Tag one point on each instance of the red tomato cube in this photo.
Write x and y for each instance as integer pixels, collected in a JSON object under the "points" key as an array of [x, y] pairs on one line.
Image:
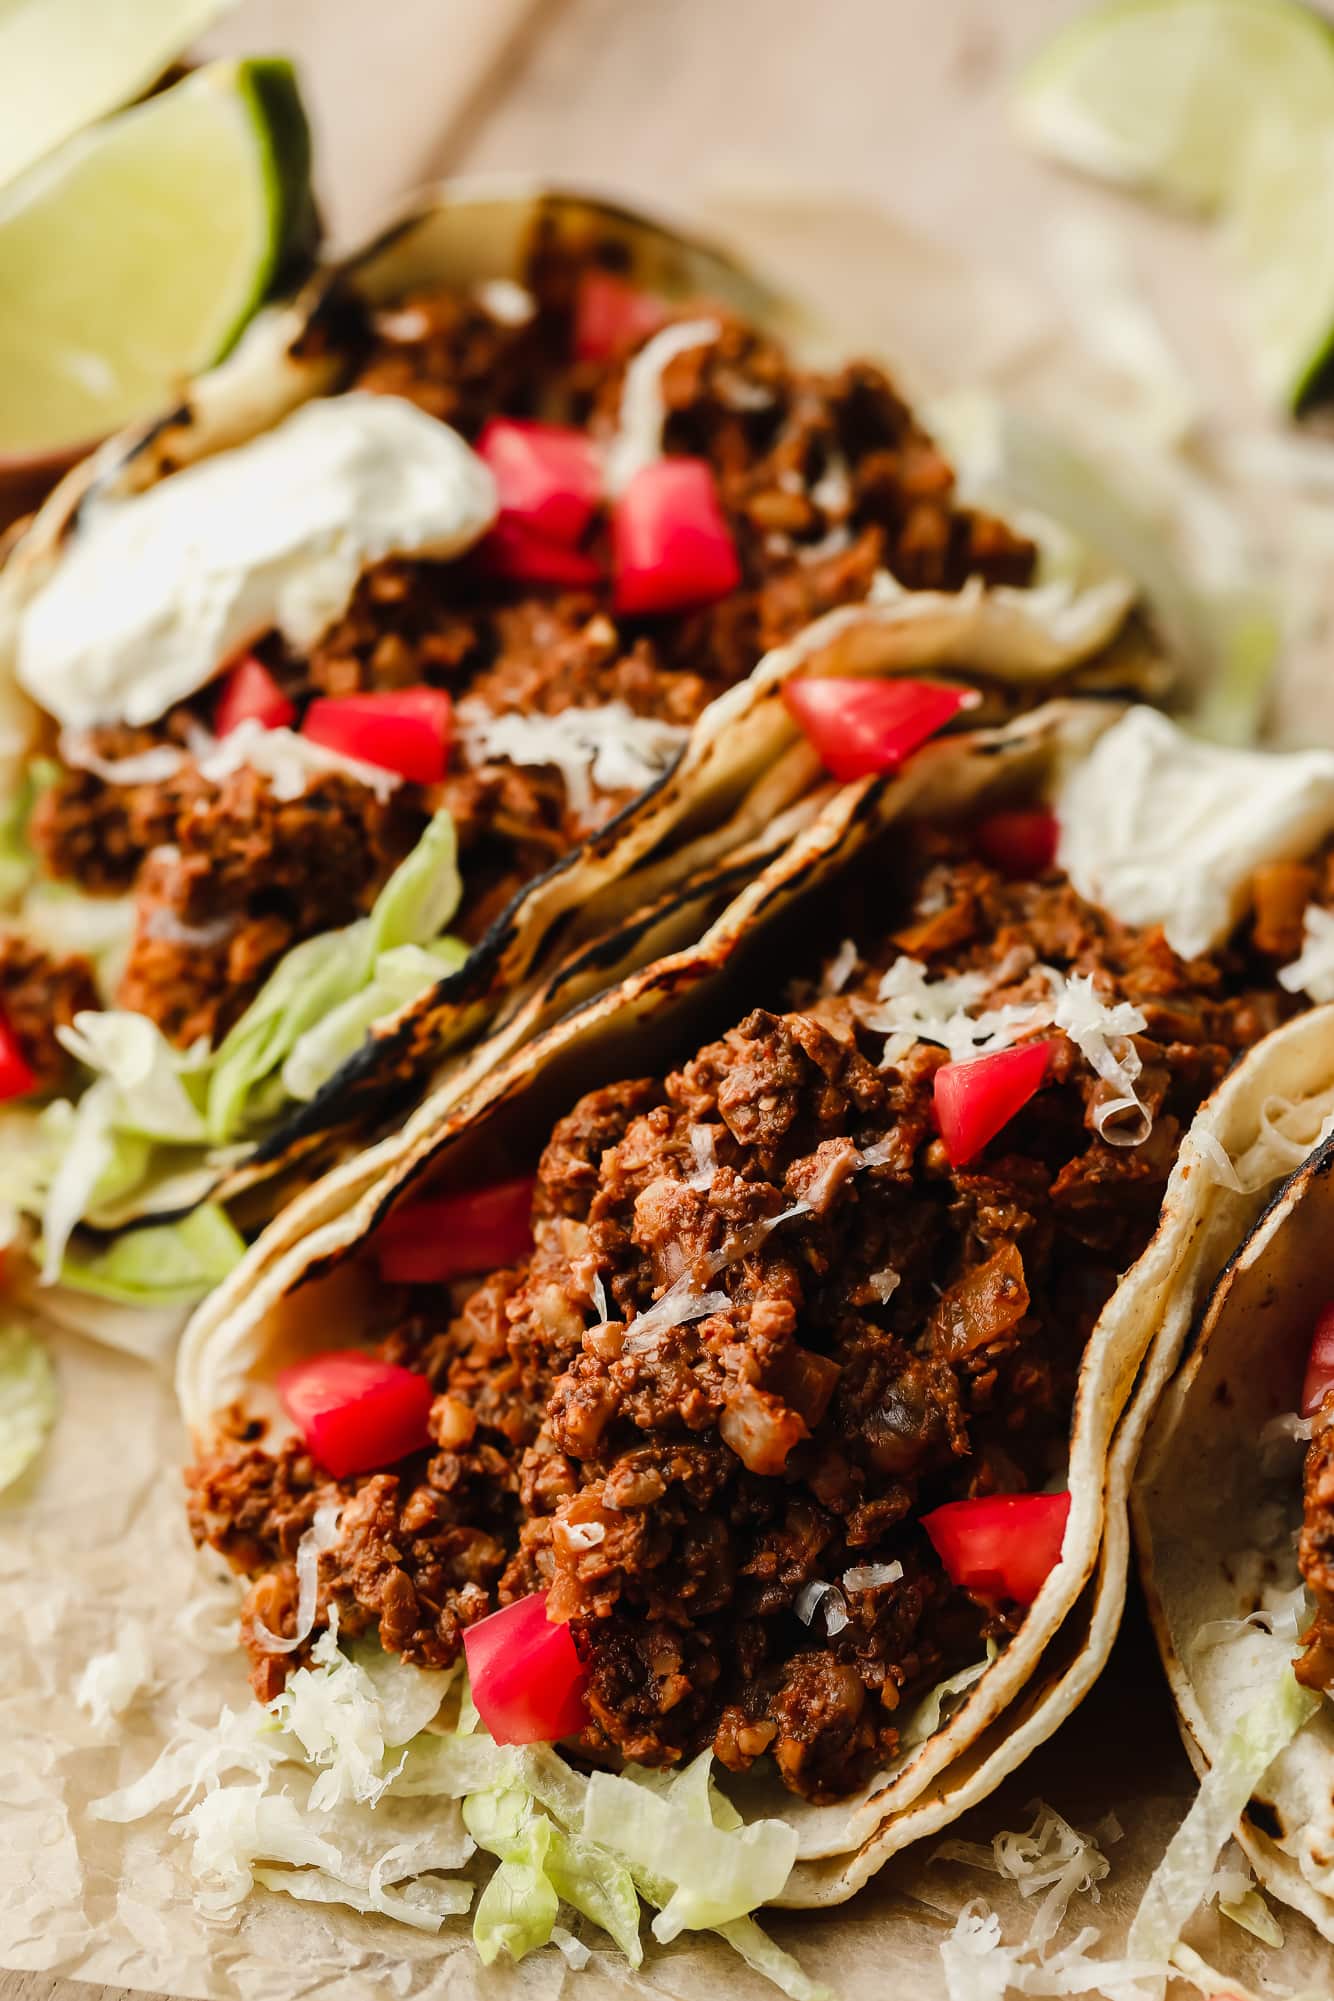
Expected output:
{"points": [[356, 1413], [527, 1679], [671, 547], [403, 729]]}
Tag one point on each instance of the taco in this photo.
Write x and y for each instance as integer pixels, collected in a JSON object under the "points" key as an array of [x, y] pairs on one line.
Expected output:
{"points": [[741, 1373], [442, 628], [1234, 1522]]}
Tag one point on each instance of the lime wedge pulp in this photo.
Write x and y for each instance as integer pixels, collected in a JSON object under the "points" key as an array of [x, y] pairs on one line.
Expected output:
{"points": [[64, 63], [1225, 107], [133, 257]]}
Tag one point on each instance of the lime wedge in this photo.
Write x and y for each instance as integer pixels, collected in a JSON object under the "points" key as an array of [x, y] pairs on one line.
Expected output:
{"points": [[134, 256], [64, 63], [1224, 107]]}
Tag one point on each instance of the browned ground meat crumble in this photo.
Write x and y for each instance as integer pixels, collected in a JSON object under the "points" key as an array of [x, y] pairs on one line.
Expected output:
{"points": [[914, 1336], [824, 479], [43, 992]]}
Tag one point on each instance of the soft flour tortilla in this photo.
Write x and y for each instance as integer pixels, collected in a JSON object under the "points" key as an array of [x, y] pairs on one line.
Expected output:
{"points": [[1214, 1508], [745, 763], [303, 1290]]}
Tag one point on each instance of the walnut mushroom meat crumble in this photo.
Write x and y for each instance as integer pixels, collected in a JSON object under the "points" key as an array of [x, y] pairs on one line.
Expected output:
{"points": [[725, 1500]]}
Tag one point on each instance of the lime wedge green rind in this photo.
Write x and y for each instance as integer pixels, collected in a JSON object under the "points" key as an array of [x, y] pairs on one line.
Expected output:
{"points": [[134, 256], [1224, 108], [64, 63]]}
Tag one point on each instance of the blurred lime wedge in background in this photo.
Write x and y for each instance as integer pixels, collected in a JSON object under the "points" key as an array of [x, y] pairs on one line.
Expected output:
{"points": [[1225, 107], [64, 63], [134, 256]]}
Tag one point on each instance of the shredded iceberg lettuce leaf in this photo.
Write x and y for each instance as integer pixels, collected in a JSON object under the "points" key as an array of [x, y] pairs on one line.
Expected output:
{"points": [[354, 1724], [156, 1126], [112, 1681], [1179, 1883], [162, 1264], [28, 1399], [318, 980]]}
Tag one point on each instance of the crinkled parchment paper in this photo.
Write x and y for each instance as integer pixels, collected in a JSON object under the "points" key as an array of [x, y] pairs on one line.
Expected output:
{"points": [[96, 1533]]}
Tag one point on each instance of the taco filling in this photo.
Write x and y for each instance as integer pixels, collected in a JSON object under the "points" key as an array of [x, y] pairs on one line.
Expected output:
{"points": [[768, 1397], [497, 579]]}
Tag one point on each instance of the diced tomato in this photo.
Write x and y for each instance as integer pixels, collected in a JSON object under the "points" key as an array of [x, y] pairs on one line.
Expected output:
{"points": [[402, 729], [671, 546], [975, 1098], [513, 550], [444, 1237], [527, 1678], [611, 315], [1020, 841], [16, 1073], [548, 476], [860, 726], [1319, 1364], [250, 694], [1001, 1547], [356, 1413]]}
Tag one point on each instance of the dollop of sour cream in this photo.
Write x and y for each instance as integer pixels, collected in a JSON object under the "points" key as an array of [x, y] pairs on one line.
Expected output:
{"points": [[1162, 828], [159, 591]]}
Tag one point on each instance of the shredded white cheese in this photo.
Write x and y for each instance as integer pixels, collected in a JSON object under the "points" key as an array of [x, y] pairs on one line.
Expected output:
{"points": [[840, 968], [1051, 1856], [1313, 971], [1101, 1034], [608, 748], [146, 767], [915, 1008], [291, 763], [703, 1148], [638, 440]]}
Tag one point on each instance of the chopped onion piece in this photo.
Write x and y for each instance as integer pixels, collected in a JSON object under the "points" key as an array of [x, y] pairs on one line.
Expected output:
{"points": [[867, 1576], [607, 748], [884, 1284], [321, 1535], [290, 762], [146, 767]]}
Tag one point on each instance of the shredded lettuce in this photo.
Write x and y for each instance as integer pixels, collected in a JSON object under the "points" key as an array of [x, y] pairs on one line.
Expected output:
{"points": [[162, 1264], [156, 1126], [28, 1399], [17, 860], [112, 1681], [354, 1724], [1181, 1880], [311, 1012], [400, 976], [335, 1711]]}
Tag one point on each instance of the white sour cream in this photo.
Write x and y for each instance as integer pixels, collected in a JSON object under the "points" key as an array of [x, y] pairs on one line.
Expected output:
{"points": [[157, 592], [1161, 828]]}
